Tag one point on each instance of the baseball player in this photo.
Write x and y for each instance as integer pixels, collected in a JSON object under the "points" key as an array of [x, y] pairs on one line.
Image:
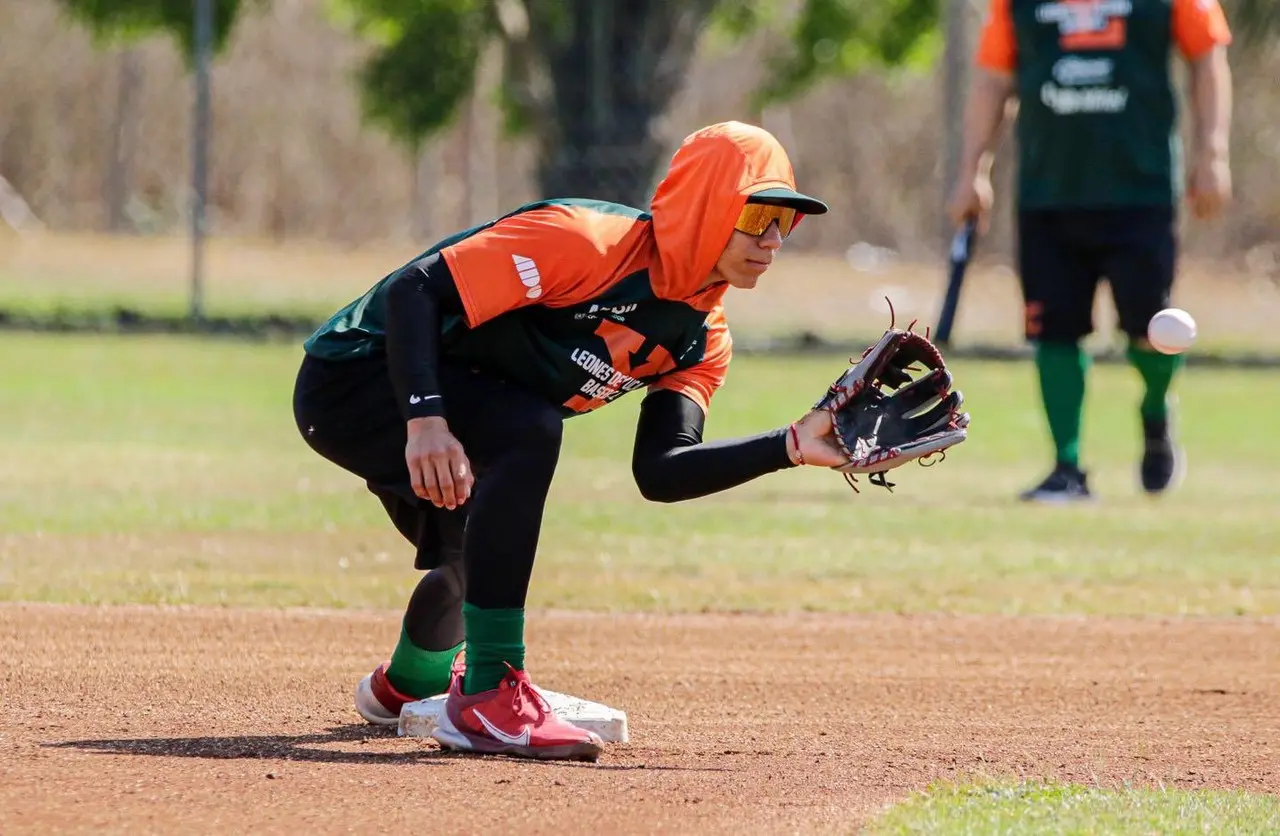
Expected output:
{"points": [[446, 385], [1099, 182]]}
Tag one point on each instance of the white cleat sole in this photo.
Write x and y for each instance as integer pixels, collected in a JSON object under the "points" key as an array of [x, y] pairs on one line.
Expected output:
{"points": [[1059, 499], [449, 737], [368, 707]]}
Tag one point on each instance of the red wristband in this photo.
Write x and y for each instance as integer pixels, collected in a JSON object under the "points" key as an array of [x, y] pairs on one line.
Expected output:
{"points": [[795, 438]]}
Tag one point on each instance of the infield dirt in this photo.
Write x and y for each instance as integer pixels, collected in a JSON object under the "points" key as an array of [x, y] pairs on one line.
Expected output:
{"points": [[206, 720]]}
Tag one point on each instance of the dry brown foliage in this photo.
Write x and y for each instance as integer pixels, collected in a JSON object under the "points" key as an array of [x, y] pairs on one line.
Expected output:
{"points": [[291, 159]]}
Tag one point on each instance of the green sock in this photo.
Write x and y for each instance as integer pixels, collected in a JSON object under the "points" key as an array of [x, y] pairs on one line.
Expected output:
{"points": [[420, 673], [1062, 368], [493, 637], [1157, 372]]}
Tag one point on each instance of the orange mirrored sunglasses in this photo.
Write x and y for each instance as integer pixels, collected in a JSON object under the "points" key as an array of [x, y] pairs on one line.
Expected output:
{"points": [[756, 217]]}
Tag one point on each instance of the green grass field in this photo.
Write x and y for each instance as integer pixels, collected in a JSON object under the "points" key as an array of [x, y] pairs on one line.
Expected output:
{"points": [[1029, 809], [168, 470]]}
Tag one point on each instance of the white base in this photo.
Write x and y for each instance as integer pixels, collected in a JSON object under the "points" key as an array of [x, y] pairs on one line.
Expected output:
{"points": [[418, 719]]}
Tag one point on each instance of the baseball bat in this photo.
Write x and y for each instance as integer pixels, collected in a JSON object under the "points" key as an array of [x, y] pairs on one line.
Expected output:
{"points": [[957, 266]]}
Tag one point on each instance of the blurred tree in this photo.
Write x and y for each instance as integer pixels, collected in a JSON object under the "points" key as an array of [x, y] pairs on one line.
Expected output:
{"points": [[122, 23], [115, 21], [589, 79], [837, 37]]}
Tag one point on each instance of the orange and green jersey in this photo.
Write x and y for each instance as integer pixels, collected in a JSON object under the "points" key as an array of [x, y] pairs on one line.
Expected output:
{"points": [[1097, 119], [583, 301]]}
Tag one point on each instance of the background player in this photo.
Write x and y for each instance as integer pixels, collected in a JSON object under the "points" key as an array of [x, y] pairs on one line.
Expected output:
{"points": [[1098, 182]]}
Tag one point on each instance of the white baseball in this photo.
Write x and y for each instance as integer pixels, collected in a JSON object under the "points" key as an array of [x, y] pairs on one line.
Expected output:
{"points": [[1171, 331]]}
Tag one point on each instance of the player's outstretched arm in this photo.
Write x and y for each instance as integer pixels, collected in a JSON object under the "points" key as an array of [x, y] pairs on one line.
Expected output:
{"points": [[671, 462]]}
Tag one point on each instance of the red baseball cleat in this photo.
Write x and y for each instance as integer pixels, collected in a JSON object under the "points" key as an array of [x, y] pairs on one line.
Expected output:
{"points": [[378, 701], [512, 719]]}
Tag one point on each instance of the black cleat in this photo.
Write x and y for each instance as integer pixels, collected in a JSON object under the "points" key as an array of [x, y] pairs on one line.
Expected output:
{"points": [[1067, 483], [1163, 464]]}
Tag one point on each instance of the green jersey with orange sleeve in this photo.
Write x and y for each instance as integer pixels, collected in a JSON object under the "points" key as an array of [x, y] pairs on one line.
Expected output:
{"points": [[1097, 121], [583, 301], [559, 298], [591, 325]]}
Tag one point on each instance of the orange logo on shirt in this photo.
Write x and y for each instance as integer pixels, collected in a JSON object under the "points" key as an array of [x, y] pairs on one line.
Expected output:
{"points": [[623, 344], [1088, 24], [1034, 319]]}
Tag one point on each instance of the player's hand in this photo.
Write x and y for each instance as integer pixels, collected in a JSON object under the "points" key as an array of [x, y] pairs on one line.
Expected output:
{"points": [[817, 441], [972, 198], [1210, 187], [438, 466]]}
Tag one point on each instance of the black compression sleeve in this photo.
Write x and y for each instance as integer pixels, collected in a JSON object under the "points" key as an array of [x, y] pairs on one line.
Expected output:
{"points": [[417, 300], [672, 463]]}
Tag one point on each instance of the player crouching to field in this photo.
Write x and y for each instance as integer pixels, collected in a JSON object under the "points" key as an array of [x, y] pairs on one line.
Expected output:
{"points": [[446, 385]]}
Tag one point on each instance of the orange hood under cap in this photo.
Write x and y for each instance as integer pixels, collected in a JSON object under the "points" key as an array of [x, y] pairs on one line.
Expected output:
{"points": [[696, 205]]}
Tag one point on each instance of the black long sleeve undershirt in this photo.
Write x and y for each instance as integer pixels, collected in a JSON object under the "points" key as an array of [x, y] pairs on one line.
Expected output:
{"points": [[417, 300], [670, 462]]}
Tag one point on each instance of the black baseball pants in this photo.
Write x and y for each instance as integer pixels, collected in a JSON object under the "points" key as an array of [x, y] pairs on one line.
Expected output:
{"points": [[482, 552]]}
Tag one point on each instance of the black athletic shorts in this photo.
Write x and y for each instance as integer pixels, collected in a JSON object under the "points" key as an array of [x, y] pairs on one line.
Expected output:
{"points": [[1063, 253]]}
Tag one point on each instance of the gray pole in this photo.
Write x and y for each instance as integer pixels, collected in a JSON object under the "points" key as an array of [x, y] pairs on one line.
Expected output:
{"points": [[200, 151], [955, 83]]}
